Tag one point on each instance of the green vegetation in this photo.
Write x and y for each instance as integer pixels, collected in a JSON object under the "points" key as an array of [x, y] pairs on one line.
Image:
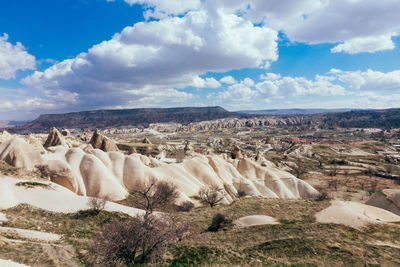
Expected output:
{"points": [[30, 184]]}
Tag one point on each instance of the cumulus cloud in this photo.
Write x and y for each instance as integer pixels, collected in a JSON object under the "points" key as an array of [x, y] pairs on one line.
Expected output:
{"points": [[206, 83], [335, 83], [362, 26], [227, 80], [18, 104], [369, 44], [13, 58], [159, 58], [369, 80]]}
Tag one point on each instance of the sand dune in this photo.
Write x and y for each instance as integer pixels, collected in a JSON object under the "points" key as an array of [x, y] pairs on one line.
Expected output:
{"points": [[112, 174], [355, 215]]}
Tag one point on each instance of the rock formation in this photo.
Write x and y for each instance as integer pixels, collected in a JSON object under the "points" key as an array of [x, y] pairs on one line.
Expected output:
{"points": [[54, 139], [102, 142], [388, 199], [18, 153], [236, 152], [113, 174], [5, 136]]}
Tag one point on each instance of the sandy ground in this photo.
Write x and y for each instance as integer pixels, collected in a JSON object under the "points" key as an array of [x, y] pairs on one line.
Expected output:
{"points": [[355, 215], [8, 263], [53, 198], [253, 220], [30, 234]]}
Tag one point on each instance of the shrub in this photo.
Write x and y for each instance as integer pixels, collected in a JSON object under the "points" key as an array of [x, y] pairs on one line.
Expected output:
{"points": [[323, 195], [97, 204], [211, 195], [44, 170], [241, 193], [216, 223], [186, 206], [136, 241]]}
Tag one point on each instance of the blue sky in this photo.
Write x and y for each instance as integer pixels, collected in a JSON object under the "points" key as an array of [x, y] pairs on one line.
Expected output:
{"points": [[71, 55]]}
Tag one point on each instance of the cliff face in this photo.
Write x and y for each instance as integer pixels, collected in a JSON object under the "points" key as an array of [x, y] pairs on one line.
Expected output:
{"points": [[128, 117]]}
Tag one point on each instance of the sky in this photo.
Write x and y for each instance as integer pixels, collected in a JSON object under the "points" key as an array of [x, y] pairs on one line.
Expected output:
{"points": [[73, 55]]}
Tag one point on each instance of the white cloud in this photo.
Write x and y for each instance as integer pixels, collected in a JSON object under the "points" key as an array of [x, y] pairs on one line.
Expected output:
{"points": [[360, 26], [238, 92], [355, 22], [370, 80], [13, 58], [151, 58], [369, 44], [206, 83], [164, 8], [335, 83], [227, 80]]}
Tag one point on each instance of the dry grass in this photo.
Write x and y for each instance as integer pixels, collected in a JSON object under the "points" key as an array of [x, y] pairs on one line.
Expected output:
{"points": [[298, 239]]}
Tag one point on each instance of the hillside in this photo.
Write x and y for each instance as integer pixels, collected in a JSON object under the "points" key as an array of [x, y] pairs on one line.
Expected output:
{"points": [[127, 117], [143, 117], [292, 111], [365, 118]]}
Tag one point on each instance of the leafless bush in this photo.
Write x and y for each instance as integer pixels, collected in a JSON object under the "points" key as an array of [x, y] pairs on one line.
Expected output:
{"points": [[211, 195], [97, 204], [333, 171], [389, 169], [370, 172], [299, 170], [373, 187], [44, 170], [136, 241], [362, 183], [323, 195], [333, 183], [186, 206], [154, 194]]}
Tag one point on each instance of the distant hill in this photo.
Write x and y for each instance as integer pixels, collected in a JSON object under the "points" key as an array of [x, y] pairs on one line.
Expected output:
{"points": [[127, 117], [292, 111], [365, 118], [142, 117]]}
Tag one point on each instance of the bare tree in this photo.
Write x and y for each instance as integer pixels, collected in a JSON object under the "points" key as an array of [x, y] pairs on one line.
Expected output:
{"points": [[299, 170], [211, 195], [346, 176], [97, 204], [153, 194], [135, 241], [389, 169], [333, 171], [333, 183]]}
